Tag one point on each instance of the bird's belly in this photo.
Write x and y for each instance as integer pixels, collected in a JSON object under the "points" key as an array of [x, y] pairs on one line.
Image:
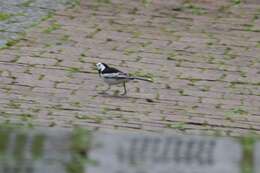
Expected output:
{"points": [[114, 81]]}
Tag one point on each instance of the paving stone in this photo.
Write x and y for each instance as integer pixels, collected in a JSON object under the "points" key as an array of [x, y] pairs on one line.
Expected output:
{"points": [[125, 152], [38, 151], [22, 14], [256, 157]]}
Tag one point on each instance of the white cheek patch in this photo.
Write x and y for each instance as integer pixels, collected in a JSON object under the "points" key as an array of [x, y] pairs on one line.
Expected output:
{"points": [[102, 67]]}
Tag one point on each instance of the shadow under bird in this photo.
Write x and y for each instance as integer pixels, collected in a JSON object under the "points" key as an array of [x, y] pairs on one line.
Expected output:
{"points": [[113, 76]]}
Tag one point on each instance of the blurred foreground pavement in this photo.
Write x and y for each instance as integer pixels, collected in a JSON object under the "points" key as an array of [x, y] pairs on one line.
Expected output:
{"points": [[202, 55], [80, 151]]}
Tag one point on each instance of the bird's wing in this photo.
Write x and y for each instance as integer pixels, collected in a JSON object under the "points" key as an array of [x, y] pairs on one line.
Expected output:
{"points": [[111, 70], [117, 75]]}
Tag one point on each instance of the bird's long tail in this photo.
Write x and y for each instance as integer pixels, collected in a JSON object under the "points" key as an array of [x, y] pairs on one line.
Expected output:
{"points": [[140, 78]]}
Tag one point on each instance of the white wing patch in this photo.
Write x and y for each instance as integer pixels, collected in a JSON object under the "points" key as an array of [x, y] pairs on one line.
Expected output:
{"points": [[115, 75]]}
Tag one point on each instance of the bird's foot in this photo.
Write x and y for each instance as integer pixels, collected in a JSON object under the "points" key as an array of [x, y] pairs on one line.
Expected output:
{"points": [[123, 94]]}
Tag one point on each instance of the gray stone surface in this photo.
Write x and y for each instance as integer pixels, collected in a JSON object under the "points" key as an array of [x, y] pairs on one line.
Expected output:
{"points": [[18, 15], [130, 153], [257, 158], [37, 151]]}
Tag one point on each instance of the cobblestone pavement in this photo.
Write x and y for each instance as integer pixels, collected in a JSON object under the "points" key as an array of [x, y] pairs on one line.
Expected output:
{"points": [[18, 15], [202, 55]]}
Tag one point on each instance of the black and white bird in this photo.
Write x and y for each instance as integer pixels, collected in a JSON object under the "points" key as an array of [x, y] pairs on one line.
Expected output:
{"points": [[113, 76]]}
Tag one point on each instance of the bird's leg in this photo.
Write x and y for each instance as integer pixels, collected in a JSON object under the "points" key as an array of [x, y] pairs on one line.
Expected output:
{"points": [[124, 89]]}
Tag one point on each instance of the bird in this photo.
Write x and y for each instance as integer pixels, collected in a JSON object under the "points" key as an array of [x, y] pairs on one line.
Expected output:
{"points": [[113, 76]]}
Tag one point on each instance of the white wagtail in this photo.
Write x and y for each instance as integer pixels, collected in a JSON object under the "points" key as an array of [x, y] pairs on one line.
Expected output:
{"points": [[112, 76]]}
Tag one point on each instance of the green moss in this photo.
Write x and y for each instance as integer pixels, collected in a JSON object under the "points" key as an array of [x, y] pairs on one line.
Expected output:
{"points": [[136, 34], [97, 119], [182, 93], [223, 8], [35, 110], [248, 143], [179, 126], [236, 1], [4, 16], [91, 35], [65, 38], [52, 124], [239, 111], [145, 44], [73, 3], [146, 2], [20, 146], [14, 104], [235, 112], [177, 8], [26, 117], [4, 136], [258, 44], [37, 146], [27, 3], [194, 9], [250, 28], [80, 140], [171, 56], [80, 146], [41, 76], [11, 43], [129, 51], [223, 76], [76, 104], [205, 88], [157, 97], [73, 69], [48, 16], [83, 55], [104, 1], [133, 10], [243, 83], [104, 110], [54, 26]]}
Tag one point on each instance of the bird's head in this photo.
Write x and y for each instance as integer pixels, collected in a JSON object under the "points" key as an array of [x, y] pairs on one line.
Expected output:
{"points": [[101, 66]]}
